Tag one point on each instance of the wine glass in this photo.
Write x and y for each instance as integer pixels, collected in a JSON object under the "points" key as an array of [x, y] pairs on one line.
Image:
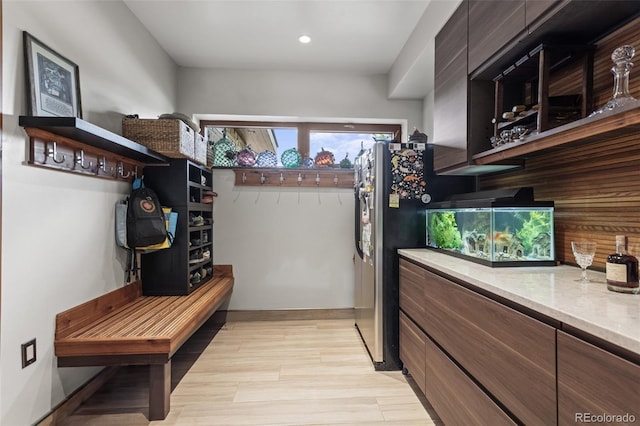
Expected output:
{"points": [[584, 251]]}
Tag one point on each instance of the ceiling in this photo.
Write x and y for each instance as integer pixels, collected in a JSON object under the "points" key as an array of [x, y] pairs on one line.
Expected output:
{"points": [[393, 37]]}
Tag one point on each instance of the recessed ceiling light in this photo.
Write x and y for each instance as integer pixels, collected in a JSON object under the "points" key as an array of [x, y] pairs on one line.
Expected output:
{"points": [[304, 39]]}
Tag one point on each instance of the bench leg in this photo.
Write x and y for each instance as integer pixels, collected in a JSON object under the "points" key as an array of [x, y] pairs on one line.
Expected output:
{"points": [[159, 390]]}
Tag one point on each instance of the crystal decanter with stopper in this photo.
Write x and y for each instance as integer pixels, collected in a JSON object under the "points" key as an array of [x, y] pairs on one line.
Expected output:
{"points": [[621, 57]]}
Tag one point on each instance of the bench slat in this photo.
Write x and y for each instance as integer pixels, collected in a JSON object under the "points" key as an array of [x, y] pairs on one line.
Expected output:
{"points": [[144, 325], [75, 318]]}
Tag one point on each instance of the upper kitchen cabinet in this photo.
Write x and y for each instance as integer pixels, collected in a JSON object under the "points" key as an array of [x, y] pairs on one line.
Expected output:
{"points": [[534, 9], [450, 91], [462, 108], [514, 28], [493, 24]]}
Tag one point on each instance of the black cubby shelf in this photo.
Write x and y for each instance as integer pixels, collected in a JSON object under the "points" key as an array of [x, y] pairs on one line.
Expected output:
{"points": [[180, 186]]}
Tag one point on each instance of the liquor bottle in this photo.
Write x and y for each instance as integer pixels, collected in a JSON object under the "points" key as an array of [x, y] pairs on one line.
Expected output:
{"points": [[622, 269]]}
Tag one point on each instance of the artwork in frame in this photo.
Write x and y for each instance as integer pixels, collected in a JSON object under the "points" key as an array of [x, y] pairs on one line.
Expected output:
{"points": [[53, 81]]}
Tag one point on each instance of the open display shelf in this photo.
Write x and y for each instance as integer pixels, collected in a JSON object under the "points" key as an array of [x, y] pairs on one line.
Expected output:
{"points": [[527, 82], [602, 126]]}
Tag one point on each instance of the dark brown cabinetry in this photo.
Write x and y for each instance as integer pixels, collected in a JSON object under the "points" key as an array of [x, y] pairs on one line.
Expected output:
{"points": [[592, 381], [412, 349], [186, 187], [470, 406], [462, 109], [485, 361], [501, 36], [450, 92], [493, 24], [471, 328], [512, 364], [535, 9]]}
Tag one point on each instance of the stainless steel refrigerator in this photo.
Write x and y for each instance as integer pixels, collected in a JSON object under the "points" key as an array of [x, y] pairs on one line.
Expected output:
{"points": [[393, 184]]}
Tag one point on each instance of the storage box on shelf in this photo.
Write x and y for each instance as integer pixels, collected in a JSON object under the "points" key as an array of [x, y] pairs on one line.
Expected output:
{"points": [[171, 137], [200, 149], [187, 188]]}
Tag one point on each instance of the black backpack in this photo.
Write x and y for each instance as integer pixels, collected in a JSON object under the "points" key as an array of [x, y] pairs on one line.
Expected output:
{"points": [[145, 220]]}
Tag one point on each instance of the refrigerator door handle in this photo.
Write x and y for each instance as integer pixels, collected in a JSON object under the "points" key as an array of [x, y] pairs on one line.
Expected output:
{"points": [[357, 225]]}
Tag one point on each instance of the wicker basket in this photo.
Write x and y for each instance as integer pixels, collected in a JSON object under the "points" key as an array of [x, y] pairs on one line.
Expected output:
{"points": [[200, 149], [210, 156], [170, 137]]}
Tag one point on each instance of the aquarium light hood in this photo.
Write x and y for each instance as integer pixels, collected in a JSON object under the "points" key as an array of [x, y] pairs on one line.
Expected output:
{"points": [[512, 197]]}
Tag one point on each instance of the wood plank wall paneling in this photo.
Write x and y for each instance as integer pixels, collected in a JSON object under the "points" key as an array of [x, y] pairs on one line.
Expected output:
{"points": [[596, 186]]}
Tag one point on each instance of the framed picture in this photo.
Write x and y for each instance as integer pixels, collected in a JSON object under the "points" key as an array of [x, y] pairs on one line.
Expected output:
{"points": [[53, 81]]}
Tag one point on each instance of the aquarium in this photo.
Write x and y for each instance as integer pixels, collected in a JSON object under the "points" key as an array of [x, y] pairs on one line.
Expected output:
{"points": [[509, 230]]}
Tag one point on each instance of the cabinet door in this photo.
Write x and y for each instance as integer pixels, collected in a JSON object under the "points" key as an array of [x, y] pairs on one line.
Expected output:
{"points": [[592, 382], [509, 353], [411, 285], [451, 40], [450, 92], [412, 347], [454, 396], [536, 8], [493, 24]]}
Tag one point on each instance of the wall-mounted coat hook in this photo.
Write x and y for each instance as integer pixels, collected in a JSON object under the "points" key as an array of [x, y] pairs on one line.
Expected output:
{"points": [[121, 171], [102, 165], [135, 172], [79, 159], [51, 151]]}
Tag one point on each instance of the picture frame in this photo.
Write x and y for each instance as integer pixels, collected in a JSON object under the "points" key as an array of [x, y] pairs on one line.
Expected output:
{"points": [[53, 81]]}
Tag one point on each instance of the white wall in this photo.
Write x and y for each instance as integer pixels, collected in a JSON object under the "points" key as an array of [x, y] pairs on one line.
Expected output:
{"points": [[58, 245], [290, 249], [292, 94]]}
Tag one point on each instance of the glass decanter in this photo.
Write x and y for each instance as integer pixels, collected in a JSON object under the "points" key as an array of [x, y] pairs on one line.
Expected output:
{"points": [[621, 57]]}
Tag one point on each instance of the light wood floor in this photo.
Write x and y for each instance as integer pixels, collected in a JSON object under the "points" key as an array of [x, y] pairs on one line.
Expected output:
{"points": [[298, 372]]}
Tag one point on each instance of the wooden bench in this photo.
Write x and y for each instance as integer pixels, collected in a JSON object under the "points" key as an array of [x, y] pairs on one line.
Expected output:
{"points": [[124, 327]]}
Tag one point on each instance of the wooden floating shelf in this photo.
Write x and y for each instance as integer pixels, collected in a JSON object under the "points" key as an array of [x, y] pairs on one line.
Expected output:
{"points": [[82, 131], [294, 177], [607, 125], [72, 145]]}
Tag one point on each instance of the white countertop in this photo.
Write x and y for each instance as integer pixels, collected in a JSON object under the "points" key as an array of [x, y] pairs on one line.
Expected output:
{"points": [[552, 291]]}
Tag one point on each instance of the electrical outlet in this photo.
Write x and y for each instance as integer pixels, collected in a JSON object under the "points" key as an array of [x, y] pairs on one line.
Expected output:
{"points": [[28, 352]]}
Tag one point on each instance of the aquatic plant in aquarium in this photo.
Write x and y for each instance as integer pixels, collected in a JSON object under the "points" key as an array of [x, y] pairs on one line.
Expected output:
{"points": [[535, 232], [444, 230]]}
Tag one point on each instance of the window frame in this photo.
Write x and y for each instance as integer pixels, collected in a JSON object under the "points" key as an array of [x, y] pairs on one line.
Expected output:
{"points": [[305, 128]]}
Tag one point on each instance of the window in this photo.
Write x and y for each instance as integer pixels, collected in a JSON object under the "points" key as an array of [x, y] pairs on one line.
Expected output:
{"points": [[309, 138]]}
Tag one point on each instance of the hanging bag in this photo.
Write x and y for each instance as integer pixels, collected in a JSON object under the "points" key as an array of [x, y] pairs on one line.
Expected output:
{"points": [[145, 219]]}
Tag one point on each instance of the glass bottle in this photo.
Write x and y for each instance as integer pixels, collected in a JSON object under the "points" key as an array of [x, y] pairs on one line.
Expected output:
{"points": [[621, 57], [622, 269]]}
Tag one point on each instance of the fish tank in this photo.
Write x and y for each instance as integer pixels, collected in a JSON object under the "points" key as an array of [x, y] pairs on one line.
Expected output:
{"points": [[494, 228]]}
